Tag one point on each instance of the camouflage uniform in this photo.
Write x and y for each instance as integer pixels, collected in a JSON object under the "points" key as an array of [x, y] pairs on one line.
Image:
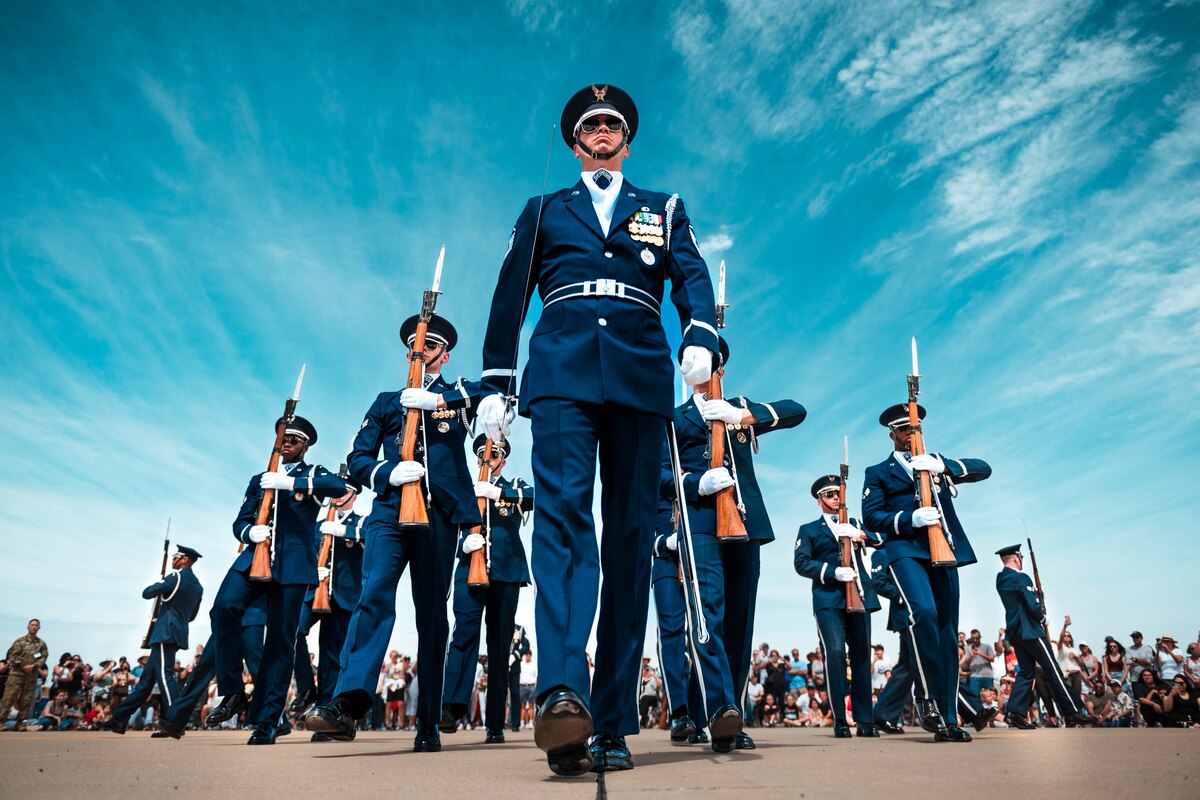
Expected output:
{"points": [[18, 691]]}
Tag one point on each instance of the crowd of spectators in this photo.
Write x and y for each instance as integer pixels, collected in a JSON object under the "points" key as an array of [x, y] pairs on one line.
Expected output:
{"points": [[1138, 685]]}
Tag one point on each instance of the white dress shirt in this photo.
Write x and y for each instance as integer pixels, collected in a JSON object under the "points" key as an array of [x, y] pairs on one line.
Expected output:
{"points": [[604, 200]]}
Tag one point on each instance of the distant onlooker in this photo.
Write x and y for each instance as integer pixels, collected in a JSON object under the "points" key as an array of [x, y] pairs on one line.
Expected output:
{"points": [[26, 660], [1149, 696], [824, 711], [777, 678], [58, 714], [1116, 668], [1191, 665], [880, 668], [1090, 669], [1168, 660], [791, 712], [1140, 656], [528, 685], [754, 696], [1118, 712], [977, 661], [1182, 704], [770, 711], [1068, 658]]}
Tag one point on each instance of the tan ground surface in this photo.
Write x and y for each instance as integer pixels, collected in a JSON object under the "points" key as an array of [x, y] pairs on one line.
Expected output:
{"points": [[789, 763]]}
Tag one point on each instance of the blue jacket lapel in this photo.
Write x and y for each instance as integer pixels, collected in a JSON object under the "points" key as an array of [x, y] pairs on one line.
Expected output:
{"points": [[579, 202], [626, 205]]}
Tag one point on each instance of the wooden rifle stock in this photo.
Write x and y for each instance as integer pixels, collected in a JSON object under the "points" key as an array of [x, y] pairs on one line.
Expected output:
{"points": [[260, 567], [158, 600], [412, 501], [730, 527], [854, 602], [940, 554], [1037, 583], [477, 571]]}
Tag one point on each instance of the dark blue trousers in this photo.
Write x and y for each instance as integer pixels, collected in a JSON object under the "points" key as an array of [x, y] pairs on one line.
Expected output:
{"points": [[497, 603], [160, 669], [514, 699], [672, 641], [711, 658], [273, 677], [197, 686], [899, 688], [1031, 653], [389, 551], [567, 563], [839, 631], [931, 595], [741, 565], [330, 639], [250, 648]]}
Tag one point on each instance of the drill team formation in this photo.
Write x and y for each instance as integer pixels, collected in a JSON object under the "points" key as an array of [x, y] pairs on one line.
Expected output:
{"points": [[681, 511]]}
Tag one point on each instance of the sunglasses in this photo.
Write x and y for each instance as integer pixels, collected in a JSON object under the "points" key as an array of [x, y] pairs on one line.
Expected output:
{"points": [[828, 493], [293, 440], [592, 125]]}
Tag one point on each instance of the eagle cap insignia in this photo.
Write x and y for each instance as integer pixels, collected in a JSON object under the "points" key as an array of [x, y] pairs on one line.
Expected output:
{"points": [[600, 92]]}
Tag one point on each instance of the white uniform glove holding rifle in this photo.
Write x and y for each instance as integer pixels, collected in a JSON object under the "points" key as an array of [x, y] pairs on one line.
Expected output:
{"points": [[495, 415], [322, 574], [333, 529], [473, 542], [672, 542], [259, 533], [844, 530], [696, 364], [487, 489], [925, 516], [406, 472], [927, 462], [714, 481], [422, 399], [279, 481], [844, 574], [719, 411]]}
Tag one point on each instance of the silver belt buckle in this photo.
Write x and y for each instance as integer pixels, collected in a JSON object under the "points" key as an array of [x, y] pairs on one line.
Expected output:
{"points": [[606, 287]]}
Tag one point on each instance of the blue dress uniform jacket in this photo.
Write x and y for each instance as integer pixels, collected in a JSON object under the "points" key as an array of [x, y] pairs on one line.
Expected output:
{"points": [[181, 593], [691, 431], [1023, 613], [583, 347], [505, 552], [890, 498], [345, 562], [295, 558], [447, 477], [816, 555]]}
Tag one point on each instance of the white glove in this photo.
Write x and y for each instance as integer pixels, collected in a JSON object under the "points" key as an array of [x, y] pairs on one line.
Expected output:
{"points": [[672, 541], [847, 531], [844, 574], [322, 574], [333, 529], [714, 481], [473, 542], [420, 398], [406, 472], [277, 480], [259, 533], [928, 462], [925, 516], [696, 364], [720, 411], [487, 489], [494, 415]]}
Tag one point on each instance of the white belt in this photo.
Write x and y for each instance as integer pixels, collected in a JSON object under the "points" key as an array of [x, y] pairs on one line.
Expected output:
{"points": [[602, 287]]}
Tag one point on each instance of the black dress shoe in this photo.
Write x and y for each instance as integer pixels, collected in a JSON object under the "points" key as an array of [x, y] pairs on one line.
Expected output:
{"points": [[264, 733], [682, 728], [334, 718], [868, 729], [1018, 722], [888, 727], [428, 740], [953, 733], [984, 717], [283, 729], [449, 721], [610, 754], [841, 730], [160, 735], [929, 717], [321, 737], [494, 737], [723, 726], [562, 730], [743, 741], [228, 709], [1080, 719], [303, 701], [172, 729], [114, 725], [699, 737]]}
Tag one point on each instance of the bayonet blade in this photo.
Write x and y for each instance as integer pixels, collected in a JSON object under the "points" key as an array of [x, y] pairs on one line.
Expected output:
{"points": [[299, 381]]}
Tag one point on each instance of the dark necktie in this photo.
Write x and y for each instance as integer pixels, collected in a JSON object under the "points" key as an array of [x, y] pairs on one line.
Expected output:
{"points": [[602, 179]]}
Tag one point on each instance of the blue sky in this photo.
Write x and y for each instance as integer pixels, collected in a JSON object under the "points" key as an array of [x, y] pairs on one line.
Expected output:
{"points": [[197, 199]]}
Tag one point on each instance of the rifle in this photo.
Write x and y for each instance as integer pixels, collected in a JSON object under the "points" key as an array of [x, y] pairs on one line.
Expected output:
{"points": [[730, 527], [260, 568], [854, 602], [940, 554], [413, 513], [477, 573], [158, 600], [320, 604], [1037, 582]]}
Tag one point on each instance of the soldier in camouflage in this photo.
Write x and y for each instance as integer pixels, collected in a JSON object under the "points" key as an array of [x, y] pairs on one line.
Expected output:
{"points": [[26, 660]]}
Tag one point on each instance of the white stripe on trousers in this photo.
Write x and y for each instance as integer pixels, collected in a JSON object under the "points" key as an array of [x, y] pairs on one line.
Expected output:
{"points": [[162, 676], [916, 654], [1058, 674]]}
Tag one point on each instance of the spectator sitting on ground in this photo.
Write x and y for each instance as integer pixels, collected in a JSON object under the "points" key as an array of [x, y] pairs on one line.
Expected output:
{"points": [[58, 714], [791, 712], [754, 696], [1149, 696], [805, 701], [1118, 712], [1182, 704], [97, 716], [824, 711], [770, 712], [1167, 658]]}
